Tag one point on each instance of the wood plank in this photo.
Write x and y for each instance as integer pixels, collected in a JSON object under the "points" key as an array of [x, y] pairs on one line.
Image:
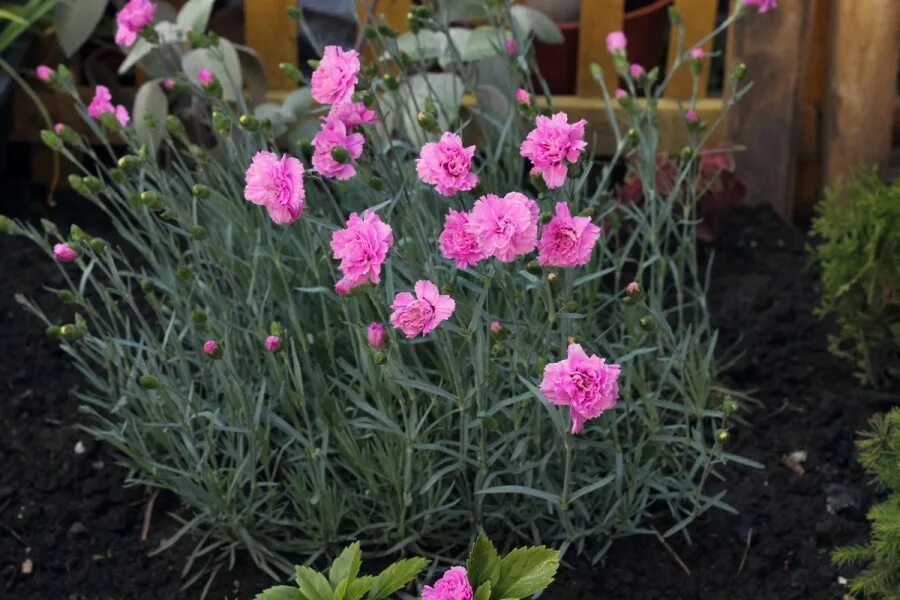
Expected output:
{"points": [[598, 18], [699, 18], [774, 46], [269, 31], [393, 12], [861, 89]]}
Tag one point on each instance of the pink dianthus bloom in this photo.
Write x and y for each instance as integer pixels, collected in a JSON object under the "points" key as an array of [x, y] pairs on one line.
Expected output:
{"points": [[453, 585], [504, 227], [636, 70], [523, 97], [496, 327], [376, 335], [586, 384], [551, 143], [616, 42], [762, 5], [44, 73], [276, 184], [447, 165], [352, 114], [691, 116], [567, 241], [633, 288], [101, 104], [697, 53], [334, 79], [362, 248], [58, 128], [64, 253], [273, 343], [169, 84], [205, 76], [211, 348], [334, 135], [134, 16], [512, 48], [620, 94], [458, 243], [420, 314]]}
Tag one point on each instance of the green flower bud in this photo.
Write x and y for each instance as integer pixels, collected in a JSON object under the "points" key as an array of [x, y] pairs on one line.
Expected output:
{"points": [[71, 333], [93, 183], [423, 12], [740, 72], [370, 33], [687, 154], [77, 184], [65, 296], [587, 212], [148, 381], [313, 64], [51, 139], [533, 266], [110, 122], [553, 280], [198, 232], [368, 100], [129, 162], [199, 154], [293, 12], [370, 71], [730, 406], [146, 286], [151, 122], [76, 234], [275, 328], [306, 147], [541, 364], [390, 82], [340, 154], [380, 358], [149, 197], [68, 135], [426, 121], [723, 436], [546, 216], [647, 324], [387, 31], [497, 349], [248, 123], [174, 125], [631, 137], [6, 224], [198, 316], [184, 273], [98, 245], [221, 122], [571, 306], [54, 331], [413, 23], [289, 70], [200, 191]]}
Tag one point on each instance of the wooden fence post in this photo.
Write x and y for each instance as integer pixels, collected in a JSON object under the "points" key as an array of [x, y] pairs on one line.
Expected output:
{"points": [[862, 86], [775, 48], [269, 31], [598, 18]]}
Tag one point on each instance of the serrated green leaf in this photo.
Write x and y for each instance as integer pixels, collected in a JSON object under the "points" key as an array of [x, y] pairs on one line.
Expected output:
{"points": [[346, 565], [396, 576], [483, 565], [483, 592], [280, 592], [340, 590], [358, 587], [526, 571], [313, 585]]}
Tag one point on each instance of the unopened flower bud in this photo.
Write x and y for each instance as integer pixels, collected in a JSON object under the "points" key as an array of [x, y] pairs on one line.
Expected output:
{"points": [[546, 217], [426, 121], [632, 137], [93, 183], [273, 343], [571, 306], [740, 72], [533, 266], [647, 324], [293, 12], [289, 70], [198, 232], [687, 154], [541, 364], [129, 162], [370, 33], [340, 154], [64, 253], [110, 122], [54, 331], [423, 11], [98, 245], [730, 406], [148, 381], [198, 153], [200, 191], [498, 349], [212, 349], [306, 147], [376, 335], [390, 82], [6, 224], [496, 328], [249, 123], [413, 23], [313, 64], [76, 234], [65, 296], [221, 122], [174, 125], [379, 358], [146, 286], [149, 197], [387, 31], [51, 139], [71, 333], [723, 435]]}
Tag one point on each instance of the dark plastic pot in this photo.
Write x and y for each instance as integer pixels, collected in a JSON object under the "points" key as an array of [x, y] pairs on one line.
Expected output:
{"points": [[559, 62]]}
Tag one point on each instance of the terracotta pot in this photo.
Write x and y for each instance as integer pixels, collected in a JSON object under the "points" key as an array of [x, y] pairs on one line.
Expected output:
{"points": [[646, 30], [559, 62]]}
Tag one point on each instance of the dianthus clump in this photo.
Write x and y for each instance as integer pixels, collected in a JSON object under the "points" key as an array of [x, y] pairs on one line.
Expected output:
{"points": [[551, 144], [586, 384], [277, 184], [447, 165], [422, 313]]}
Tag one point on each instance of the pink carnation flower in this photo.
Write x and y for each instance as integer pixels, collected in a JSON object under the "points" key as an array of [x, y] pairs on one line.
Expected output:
{"points": [[211, 348], [762, 5], [44, 73], [505, 227], [620, 93], [362, 248], [276, 184], [64, 253], [205, 76], [523, 97], [334, 79], [633, 288], [567, 241], [420, 314], [453, 585], [58, 128], [376, 335], [551, 143], [169, 84], [586, 384], [334, 135], [512, 48], [352, 114], [616, 42], [697, 53], [273, 343], [101, 104], [496, 327], [134, 16], [691, 116], [447, 165], [636, 70], [458, 243]]}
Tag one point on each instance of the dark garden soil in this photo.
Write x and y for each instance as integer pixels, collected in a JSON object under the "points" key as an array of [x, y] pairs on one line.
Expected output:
{"points": [[66, 514]]}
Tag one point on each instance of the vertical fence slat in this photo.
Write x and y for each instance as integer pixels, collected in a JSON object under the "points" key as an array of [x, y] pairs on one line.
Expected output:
{"points": [[269, 31], [598, 17], [699, 18], [861, 88], [394, 12]]}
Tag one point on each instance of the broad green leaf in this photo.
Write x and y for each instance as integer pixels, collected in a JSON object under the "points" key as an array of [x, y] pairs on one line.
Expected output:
{"points": [[75, 21], [298, 102], [273, 112], [280, 592], [150, 100], [140, 49], [358, 587], [462, 10], [346, 565], [313, 584], [529, 20], [483, 565], [396, 576], [195, 15], [223, 62], [483, 592], [526, 571], [444, 89], [424, 45], [483, 42]]}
